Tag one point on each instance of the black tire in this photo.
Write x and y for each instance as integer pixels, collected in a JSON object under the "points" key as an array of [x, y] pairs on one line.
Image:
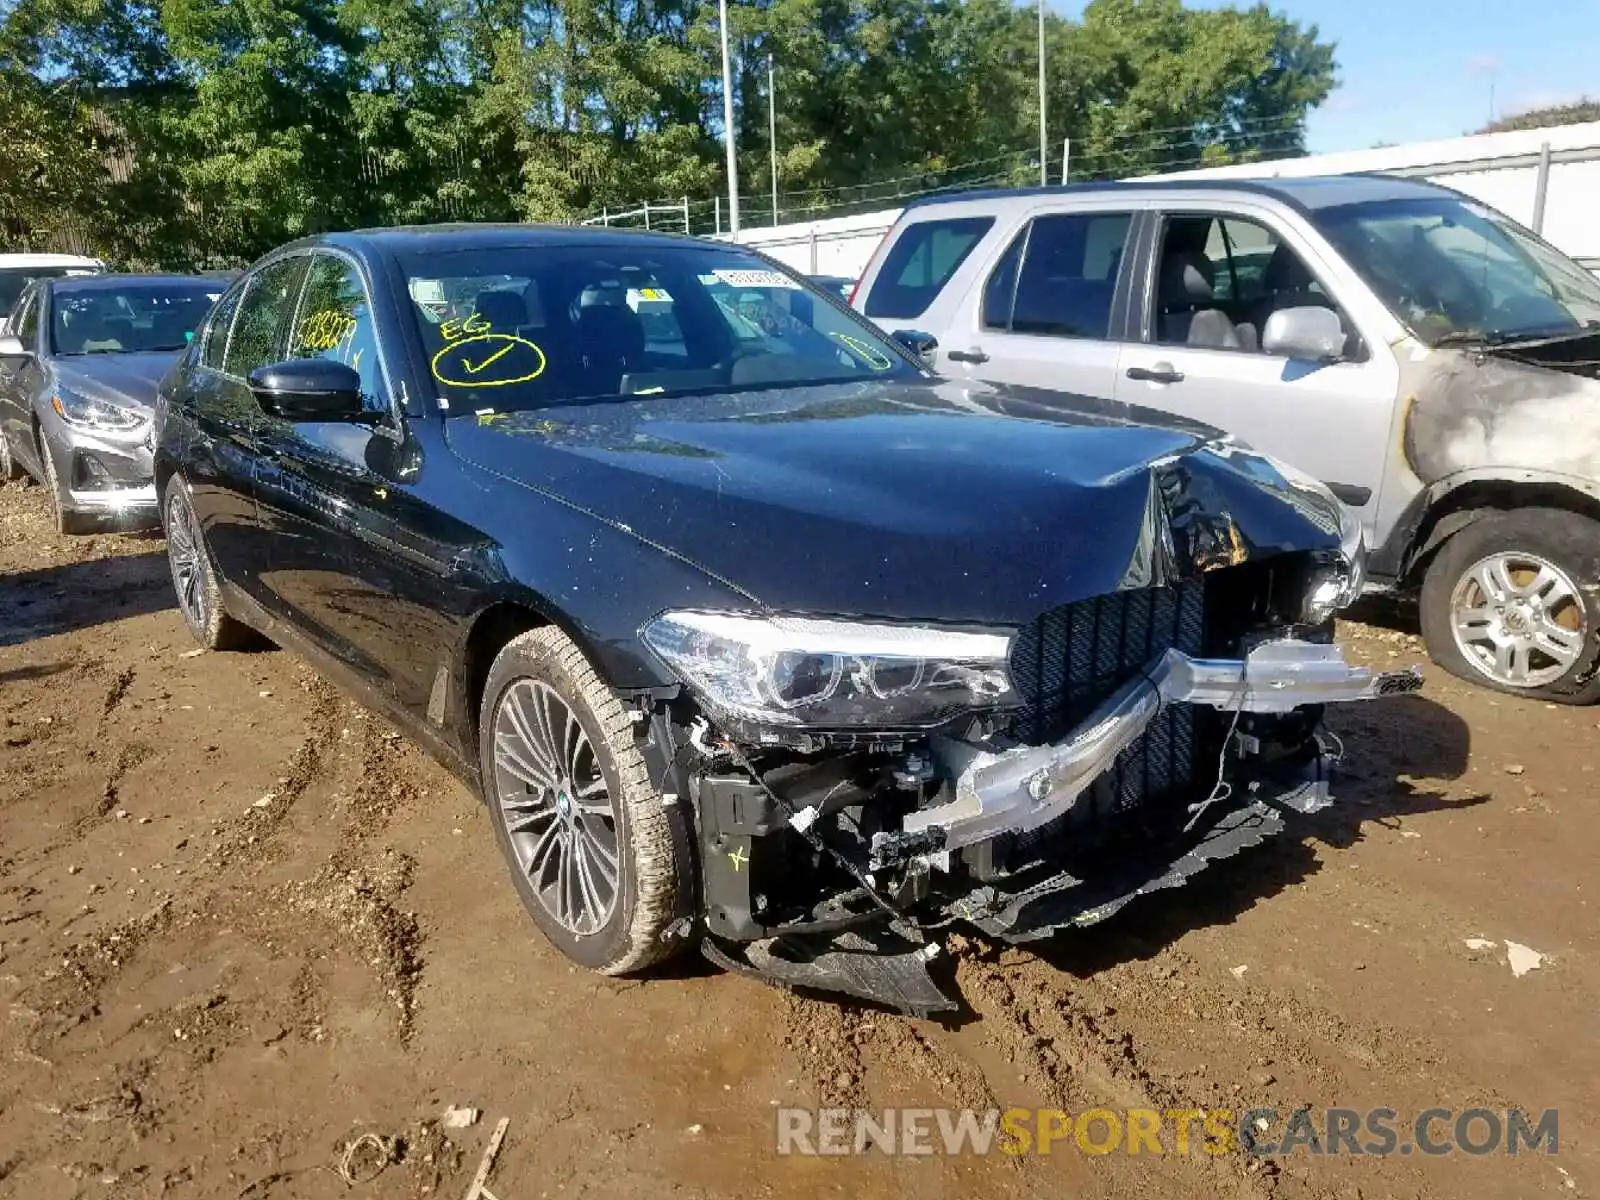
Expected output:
{"points": [[1567, 542], [194, 579], [650, 853], [65, 520]]}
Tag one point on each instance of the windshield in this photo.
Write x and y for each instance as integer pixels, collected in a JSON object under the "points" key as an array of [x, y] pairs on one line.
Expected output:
{"points": [[135, 319], [510, 328], [1453, 271], [15, 280]]}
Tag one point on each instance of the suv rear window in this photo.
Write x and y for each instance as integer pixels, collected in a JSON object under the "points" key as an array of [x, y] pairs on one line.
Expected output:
{"points": [[921, 261]]}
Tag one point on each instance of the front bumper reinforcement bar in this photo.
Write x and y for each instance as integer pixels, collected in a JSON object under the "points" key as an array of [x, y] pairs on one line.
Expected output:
{"points": [[1020, 789]]}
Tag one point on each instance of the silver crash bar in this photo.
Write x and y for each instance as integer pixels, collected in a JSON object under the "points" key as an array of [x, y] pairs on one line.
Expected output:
{"points": [[1021, 789]]}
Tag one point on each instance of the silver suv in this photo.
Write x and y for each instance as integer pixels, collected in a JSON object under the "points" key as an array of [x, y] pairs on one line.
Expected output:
{"points": [[1431, 361]]}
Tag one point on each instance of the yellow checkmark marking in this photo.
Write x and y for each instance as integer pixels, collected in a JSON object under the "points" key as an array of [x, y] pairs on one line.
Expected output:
{"points": [[454, 356], [495, 357]]}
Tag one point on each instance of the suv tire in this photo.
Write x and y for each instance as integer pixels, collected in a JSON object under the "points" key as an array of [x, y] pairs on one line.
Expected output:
{"points": [[194, 577], [1524, 583], [594, 853]]}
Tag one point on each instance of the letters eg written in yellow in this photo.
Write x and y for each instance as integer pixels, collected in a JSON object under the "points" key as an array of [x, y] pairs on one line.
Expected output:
{"points": [[468, 326]]}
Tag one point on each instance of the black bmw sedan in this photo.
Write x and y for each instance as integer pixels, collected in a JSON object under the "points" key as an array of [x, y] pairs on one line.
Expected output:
{"points": [[752, 634]]}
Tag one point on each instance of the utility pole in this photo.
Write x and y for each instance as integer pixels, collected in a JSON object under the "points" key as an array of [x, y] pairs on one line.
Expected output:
{"points": [[772, 132], [1044, 143], [727, 124]]}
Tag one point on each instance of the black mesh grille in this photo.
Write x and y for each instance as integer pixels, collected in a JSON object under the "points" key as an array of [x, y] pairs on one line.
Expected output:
{"points": [[1073, 657]]}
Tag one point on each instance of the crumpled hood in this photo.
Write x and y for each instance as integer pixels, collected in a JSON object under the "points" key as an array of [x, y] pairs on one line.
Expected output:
{"points": [[931, 500], [127, 380]]}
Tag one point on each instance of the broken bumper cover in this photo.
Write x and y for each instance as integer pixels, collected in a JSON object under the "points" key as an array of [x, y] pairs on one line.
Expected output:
{"points": [[1021, 789]]}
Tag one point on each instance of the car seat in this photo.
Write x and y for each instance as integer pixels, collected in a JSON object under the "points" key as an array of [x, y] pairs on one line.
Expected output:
{"points": [[504, 311], [1188, 312]]}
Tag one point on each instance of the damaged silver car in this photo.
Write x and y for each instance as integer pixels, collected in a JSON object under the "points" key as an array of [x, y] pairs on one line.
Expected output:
{"points": [[1430, 360]]}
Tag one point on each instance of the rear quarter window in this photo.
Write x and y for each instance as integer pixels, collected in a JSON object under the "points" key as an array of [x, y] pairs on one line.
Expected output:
{"points": [[921, 262]]}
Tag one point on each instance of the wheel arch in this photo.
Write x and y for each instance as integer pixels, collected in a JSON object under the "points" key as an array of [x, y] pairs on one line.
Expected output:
{"points": [[1451, 505]]}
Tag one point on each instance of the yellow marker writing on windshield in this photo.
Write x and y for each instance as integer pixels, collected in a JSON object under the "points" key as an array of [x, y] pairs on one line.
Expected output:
{"points": [[873, 357], [488, 360]]}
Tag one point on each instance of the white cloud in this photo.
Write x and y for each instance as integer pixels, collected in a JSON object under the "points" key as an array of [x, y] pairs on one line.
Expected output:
{"points": [[1483, 64]]}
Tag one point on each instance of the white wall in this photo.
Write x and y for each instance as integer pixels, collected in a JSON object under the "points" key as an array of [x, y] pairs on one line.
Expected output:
{"points": [[1500, 169]]}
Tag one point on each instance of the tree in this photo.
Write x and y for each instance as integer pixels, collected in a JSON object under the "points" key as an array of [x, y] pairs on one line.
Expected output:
{"points": [[189, 131]]}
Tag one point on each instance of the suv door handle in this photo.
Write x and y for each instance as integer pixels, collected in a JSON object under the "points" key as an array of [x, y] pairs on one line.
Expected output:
{"points": [[971, 356], [1160, 373]]}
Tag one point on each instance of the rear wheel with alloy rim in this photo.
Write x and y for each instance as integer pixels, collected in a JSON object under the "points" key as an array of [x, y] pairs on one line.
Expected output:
{"points": [[194, 579], [597, 860], [1511, 602]]}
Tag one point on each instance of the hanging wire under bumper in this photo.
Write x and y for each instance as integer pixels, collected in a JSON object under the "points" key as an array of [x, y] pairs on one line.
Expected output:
{"points": [[1021, 789]]}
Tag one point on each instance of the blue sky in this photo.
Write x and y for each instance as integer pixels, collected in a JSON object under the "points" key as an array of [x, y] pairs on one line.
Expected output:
{"points": [[1411, 70]]}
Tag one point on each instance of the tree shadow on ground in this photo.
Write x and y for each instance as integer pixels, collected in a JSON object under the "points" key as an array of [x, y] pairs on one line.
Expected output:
{"points": [[81, 595]]}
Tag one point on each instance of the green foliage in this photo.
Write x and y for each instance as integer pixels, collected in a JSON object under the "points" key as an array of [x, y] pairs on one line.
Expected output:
{"points": [[203, 132]]}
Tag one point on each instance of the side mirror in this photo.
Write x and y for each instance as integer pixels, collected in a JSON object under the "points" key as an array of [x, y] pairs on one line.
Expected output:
{"points": [[11, 347], [921, 344], [308, 389], [1306, 332]]}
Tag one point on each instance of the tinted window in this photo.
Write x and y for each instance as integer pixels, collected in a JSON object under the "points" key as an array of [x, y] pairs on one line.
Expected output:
{"points": [[1069, 272], [258, 331], [133, 318], [1001, 289], [213, 352], [921, 261], [335, 323], [518, 327]]}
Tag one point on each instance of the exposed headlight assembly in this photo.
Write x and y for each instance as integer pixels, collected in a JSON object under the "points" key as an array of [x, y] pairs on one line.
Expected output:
{"points": [[84, 412], [807, 674], [1336, 583]]}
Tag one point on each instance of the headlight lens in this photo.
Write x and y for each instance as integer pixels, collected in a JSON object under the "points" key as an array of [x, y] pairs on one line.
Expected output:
{"points": [[801, 673], [1336, 584], [88, 413]]}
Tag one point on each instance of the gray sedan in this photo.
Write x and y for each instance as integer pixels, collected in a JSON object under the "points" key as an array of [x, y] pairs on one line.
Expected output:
{"points": [[79, 367]]}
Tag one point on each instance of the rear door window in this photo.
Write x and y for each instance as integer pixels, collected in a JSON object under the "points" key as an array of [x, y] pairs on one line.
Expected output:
{"points": [[921, 262], [261, 328], [1070, 264], [335, 323]]}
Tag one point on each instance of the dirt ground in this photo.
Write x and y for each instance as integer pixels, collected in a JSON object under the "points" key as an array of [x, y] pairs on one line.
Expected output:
{"points": [[243, 923]]}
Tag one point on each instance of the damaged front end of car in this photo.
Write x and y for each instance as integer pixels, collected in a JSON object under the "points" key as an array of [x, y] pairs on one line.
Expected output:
{"points": [[858, 786]]}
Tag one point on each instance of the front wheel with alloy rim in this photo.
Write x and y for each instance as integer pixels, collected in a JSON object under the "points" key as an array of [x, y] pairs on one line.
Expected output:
{"points": [[65, 520], [599, 862], [1513, 602], [194, 578]]}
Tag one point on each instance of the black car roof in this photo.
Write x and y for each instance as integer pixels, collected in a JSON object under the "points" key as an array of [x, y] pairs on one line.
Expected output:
{"points": [[1306, 192], [110, 283]]}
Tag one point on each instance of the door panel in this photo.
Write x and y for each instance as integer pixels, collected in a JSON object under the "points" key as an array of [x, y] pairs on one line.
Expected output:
{"points": [[1043, 316], [349, 550], [245, 332], [1216, 281]]}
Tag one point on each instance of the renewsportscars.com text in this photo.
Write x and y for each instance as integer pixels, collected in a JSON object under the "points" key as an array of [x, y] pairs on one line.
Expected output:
{"points": [[1255, 1131]]}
